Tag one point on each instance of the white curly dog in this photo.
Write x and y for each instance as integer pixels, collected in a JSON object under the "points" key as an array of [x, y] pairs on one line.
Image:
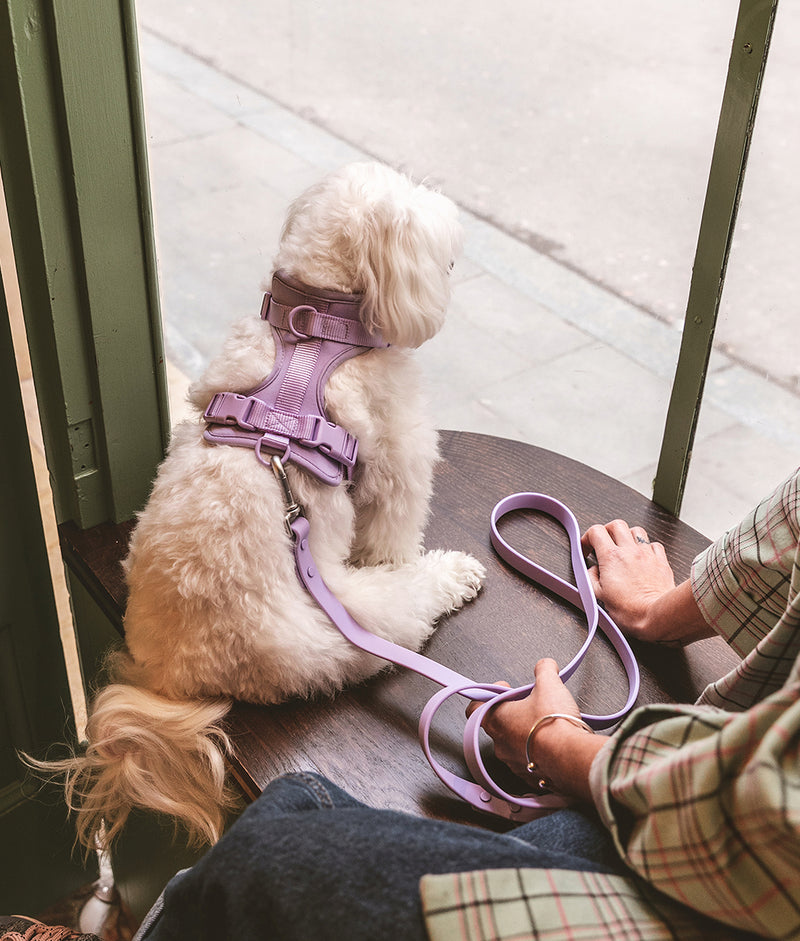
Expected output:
{"points": [[216, 611]]}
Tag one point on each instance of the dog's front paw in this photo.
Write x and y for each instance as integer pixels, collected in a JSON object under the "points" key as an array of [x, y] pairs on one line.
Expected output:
{"points": [[460, 577]]}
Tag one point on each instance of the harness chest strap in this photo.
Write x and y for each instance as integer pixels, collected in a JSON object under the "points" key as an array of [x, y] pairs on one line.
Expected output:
{"points": [[315, 331]]}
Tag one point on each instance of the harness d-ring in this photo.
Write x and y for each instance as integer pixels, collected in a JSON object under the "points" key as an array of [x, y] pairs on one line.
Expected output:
{"points": [[293, 313]]}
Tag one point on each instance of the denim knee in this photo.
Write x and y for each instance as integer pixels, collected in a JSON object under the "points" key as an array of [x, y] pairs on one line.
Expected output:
{"points": [[575, 832], [300, 791]]}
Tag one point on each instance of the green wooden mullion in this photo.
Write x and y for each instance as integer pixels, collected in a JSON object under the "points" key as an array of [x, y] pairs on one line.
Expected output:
{"points": [[726, 177], [79, 176], [130, 34], [109, 196], [38, 210]]}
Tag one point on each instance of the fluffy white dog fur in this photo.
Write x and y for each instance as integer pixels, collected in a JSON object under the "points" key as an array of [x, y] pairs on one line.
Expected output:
{"points": [[215, 609]]}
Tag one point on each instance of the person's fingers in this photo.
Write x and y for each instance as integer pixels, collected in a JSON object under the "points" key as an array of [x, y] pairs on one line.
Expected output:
{"points": [[615, 534], [620, 533], [549, 685], [640, 535], [546, 670], [473, 705], [594, 579], [660, 551], [596, 539], [552, 696]]}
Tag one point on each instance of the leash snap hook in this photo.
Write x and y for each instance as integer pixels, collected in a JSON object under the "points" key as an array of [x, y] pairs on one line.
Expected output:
{"points": [[293, 508]]}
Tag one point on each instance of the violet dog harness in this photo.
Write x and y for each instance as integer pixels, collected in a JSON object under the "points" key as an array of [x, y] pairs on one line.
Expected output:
{"points": [[315, 331]]}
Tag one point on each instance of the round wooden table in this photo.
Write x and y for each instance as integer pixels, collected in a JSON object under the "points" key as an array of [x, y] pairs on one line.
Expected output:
{"points": [[366, 738]]}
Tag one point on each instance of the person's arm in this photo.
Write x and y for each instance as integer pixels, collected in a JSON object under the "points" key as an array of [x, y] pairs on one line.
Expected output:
{"points": [[743, 582], [738, 588], [703, 804]]}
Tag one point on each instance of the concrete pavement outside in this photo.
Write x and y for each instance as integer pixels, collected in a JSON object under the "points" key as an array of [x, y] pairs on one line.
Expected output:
{"points": [[533, 348]]}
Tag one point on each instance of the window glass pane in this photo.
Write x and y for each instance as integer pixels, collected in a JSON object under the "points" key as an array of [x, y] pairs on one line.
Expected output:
{"points": [[576, 137]]}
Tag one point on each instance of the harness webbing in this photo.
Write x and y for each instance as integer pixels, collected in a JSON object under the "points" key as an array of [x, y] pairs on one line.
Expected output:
{"points": [[315, 331]]}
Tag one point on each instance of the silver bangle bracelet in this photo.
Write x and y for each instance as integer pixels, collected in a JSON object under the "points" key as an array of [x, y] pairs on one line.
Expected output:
{"points": [[531, 765]]}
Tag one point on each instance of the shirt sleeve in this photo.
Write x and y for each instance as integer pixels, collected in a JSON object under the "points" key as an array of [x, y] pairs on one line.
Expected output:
{"points": [[743, 582], [705, 806], [704, 802]]}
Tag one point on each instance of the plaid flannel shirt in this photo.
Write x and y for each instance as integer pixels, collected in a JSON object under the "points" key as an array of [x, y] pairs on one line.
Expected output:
{"points": [[703, 801]]}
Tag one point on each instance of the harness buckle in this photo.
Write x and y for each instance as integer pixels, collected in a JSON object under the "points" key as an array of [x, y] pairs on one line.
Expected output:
{"points": [[231, 408], [332, 440], [293, 508]]}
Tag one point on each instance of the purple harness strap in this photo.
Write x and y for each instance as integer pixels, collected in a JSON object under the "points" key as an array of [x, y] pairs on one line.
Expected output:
{"points": [[483, 792], [315, 331]]}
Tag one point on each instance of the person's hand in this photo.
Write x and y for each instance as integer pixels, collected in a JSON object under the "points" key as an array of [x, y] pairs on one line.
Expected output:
{"points": [[509, 724], [635, 583], [630, 576]]}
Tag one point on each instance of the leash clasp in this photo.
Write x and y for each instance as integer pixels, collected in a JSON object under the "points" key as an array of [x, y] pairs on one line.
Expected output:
{"points": [[293, 508]]}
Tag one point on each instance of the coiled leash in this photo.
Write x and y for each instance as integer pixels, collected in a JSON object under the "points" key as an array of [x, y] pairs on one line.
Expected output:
{"points": [[482, 792]]}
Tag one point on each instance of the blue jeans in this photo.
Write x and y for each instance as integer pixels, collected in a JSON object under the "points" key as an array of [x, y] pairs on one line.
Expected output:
{"points": [[308, 861]]}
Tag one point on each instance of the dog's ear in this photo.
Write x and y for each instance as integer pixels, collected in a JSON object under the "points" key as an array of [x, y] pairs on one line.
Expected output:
{"points": [[406, 243]]}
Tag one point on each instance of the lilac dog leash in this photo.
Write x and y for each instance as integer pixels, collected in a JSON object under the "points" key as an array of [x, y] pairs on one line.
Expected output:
{"points": [[482, 792]]}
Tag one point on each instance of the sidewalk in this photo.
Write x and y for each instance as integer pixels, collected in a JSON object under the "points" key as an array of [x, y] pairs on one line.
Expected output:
{"points": [[531, 350]]}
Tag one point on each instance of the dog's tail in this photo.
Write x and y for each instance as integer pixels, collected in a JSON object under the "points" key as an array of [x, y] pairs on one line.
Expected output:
{"points": [[147, 751]]}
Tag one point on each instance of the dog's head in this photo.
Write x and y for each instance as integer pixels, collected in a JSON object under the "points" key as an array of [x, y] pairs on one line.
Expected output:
{"points": [[369, 230]]}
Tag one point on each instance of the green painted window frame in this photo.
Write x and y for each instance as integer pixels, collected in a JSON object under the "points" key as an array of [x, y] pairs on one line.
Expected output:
{"points": [[754, 25], [75, 173]]}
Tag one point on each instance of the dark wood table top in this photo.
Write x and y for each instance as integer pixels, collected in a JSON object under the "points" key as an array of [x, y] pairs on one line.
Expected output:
{"points": [[365, 738]]}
